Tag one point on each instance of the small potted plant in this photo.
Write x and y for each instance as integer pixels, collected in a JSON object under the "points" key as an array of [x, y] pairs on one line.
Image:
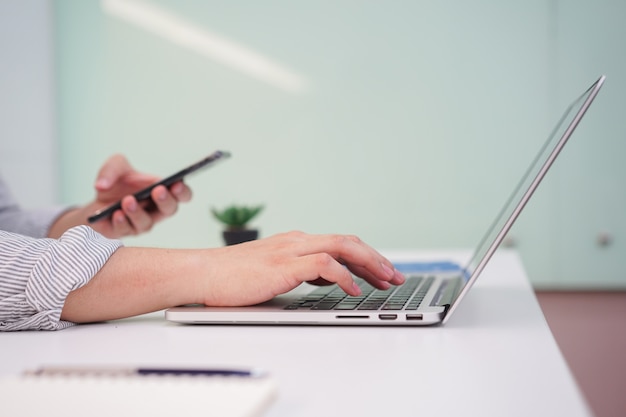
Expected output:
{"points": [[236, 219]]}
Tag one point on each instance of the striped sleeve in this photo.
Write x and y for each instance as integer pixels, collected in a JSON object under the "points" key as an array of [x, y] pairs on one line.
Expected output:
{"points": [[36, 275]]}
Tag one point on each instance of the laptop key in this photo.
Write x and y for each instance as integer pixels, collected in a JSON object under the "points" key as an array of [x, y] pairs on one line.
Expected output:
{"points": [[345, 306], [393, 306], [324, 306]]}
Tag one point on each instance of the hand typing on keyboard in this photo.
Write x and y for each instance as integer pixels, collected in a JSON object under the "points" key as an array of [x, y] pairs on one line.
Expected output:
{"points": [[257, 271], [139, 280]]}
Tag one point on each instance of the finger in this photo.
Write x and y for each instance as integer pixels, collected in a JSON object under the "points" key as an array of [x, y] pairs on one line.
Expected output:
{"points": [[140, 220], [355, 254], [381, 285], [120, 224], [363, 273], [113, 168], [370, 278], [118, 168], [322, 265], [397, 279], [165, 202], [181, 191]]}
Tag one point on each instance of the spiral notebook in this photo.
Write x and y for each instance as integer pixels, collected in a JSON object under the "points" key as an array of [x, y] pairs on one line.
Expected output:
{"points": [[100, 394]]}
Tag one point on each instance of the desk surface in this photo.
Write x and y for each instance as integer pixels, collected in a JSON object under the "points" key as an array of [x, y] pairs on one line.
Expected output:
{"points": [[495, 357]]}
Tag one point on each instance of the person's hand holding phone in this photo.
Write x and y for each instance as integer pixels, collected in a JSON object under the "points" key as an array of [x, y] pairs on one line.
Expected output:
{"points": [[116, 182]]}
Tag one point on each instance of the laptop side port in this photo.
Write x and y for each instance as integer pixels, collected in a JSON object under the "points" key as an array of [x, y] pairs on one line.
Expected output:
{"points": [[414, 317], [387, 316]]}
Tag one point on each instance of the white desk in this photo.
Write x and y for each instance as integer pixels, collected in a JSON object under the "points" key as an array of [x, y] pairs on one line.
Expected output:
{"points": [[495, 357]]}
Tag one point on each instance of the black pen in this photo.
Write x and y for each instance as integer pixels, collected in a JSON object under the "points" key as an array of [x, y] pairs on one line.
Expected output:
{"points": [[148, 371]]}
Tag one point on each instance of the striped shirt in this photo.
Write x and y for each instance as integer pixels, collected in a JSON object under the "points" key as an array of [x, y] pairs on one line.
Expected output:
{"points": [[37, 273]]}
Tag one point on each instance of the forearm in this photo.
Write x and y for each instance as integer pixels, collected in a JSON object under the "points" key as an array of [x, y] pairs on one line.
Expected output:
{"points": [[136, 281]]}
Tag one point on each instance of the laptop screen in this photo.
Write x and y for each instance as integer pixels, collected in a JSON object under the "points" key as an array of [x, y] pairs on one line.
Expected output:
{"points": [[527, 185]]}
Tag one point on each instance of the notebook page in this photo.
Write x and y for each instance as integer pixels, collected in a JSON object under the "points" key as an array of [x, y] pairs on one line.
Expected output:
{"points": [[156, 396]]}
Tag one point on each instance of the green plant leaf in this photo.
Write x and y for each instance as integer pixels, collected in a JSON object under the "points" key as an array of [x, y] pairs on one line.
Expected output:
{"points": [[236, 216]]}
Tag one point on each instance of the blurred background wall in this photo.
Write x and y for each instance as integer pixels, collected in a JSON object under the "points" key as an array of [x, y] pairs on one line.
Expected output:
{"points": [[28, 146], [405, 122]]}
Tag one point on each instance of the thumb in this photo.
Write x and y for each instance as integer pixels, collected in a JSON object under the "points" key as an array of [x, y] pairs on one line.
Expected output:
{"points": [[114, 168]]}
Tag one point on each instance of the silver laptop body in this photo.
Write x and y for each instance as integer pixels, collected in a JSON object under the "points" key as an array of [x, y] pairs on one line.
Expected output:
{"points": [[428, 297]]}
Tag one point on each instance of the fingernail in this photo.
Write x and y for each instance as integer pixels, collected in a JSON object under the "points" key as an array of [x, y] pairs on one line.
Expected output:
{"points": [[388, 271], [132, 206], [355, 287]]}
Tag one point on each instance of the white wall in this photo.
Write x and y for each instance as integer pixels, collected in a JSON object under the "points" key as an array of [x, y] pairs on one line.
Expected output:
{"points": [[28, 151], [417, 118], [401, 98]]}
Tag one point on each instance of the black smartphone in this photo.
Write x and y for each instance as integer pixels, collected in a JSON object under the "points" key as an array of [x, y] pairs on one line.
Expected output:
{"points": [[144, 194]]}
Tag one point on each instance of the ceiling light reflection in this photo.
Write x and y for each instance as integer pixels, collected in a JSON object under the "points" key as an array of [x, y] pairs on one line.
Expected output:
{"points": [[165, 24]]}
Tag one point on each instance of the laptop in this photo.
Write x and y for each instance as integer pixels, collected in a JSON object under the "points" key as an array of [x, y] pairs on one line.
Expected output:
{"points": [[427, 297]]}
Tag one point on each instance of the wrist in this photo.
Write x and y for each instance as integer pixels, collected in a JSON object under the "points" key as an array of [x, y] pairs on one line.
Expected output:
{"points": [[191, 276]]}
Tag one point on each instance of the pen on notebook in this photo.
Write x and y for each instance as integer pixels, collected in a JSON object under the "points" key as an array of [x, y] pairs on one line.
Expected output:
{"points": [[143, 371]]}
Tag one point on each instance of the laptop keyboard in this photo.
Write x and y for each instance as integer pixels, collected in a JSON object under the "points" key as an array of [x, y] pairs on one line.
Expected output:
{"points": [[406, 297]]}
